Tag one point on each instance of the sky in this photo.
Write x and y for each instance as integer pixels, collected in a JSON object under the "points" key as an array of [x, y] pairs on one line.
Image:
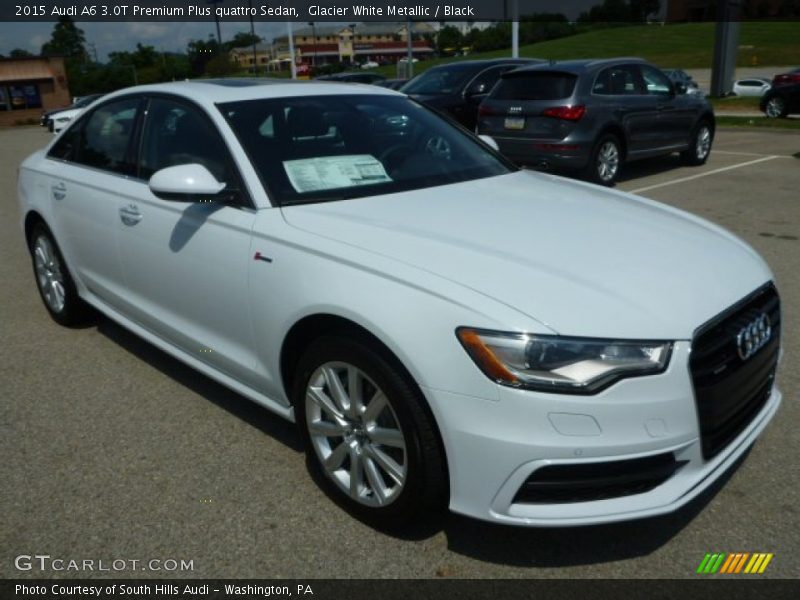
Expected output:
{"points": [[110, 37]]}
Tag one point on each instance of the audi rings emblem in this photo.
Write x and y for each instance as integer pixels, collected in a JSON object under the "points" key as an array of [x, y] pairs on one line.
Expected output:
{"points": [[753, 336]]}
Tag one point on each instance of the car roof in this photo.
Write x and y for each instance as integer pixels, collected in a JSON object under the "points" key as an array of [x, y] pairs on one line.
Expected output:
{"points": [[215, 91], [581, 65], [488, 62]]}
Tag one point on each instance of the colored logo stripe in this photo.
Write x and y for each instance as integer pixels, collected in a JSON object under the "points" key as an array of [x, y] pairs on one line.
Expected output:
{"points": [[735, 562]]}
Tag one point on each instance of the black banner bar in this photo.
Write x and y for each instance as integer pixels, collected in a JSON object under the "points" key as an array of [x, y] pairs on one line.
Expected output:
{"points": [[383, 10], [704, 587]]}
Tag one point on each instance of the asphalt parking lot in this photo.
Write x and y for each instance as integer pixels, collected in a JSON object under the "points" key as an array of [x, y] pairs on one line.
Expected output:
{"points": [[112, 450]]}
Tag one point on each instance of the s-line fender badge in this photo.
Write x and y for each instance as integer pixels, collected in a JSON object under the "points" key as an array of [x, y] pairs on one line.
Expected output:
{"points": [[259, 256]]}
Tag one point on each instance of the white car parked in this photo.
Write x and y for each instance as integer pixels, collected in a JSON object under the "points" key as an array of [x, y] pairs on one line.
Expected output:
{"points": [[444, 328], [753, 86], [63, 118]]}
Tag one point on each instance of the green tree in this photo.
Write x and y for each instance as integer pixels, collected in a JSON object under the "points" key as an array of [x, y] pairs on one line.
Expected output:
{"points": [[19, 53], [450, 39], [242, 40], [200, 54], [68, 41]]}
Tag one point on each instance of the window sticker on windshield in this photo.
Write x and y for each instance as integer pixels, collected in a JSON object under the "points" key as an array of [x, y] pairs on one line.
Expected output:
{"points": [[332, 172]]}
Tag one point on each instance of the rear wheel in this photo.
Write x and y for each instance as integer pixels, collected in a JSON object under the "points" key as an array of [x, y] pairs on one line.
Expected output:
{"points": [[368, 432], [53, 280], [700, 147], [775, 108], [606, 158]]}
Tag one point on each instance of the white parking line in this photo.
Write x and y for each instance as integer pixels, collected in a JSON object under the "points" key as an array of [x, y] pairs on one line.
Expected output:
{"points": [[740, 153], [698, 176]]}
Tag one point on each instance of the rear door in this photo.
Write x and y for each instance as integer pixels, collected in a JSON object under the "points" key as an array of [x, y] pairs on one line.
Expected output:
{"points": [[620, 89], [676, 112], [89, 172]]}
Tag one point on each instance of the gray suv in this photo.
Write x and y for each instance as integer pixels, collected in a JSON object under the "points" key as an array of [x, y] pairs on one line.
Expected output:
{"points": [[590, 116]]}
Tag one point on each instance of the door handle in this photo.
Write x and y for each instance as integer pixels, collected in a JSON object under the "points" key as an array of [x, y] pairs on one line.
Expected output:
{"points": [[130, 215], [59, 191]]}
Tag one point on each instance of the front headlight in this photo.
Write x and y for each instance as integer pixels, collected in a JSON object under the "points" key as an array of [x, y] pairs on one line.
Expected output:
{"points": [[557, 364]]}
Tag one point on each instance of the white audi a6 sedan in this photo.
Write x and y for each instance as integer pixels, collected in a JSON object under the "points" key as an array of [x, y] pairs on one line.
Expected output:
{"points": [[444, 328]]}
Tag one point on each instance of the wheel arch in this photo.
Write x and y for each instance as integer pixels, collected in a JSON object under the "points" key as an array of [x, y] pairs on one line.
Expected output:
{"points": [[32, 219], [616, 130], [313, 326]]}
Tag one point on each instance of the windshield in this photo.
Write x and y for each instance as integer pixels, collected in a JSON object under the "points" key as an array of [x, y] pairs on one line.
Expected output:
{"points": [[85, 101], [321, 148], [440, 80]]}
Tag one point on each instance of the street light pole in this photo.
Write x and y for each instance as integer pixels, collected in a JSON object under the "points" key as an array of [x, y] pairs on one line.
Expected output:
{"points": [[253, 35], [216, 19], [314, 33], [353, 43]]}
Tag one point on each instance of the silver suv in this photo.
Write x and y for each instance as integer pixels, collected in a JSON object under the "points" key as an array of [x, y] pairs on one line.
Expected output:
{"points": [[590, 116]]}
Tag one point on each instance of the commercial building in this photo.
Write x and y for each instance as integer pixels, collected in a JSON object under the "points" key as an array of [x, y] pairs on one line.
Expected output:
{"points": [[325, 44], [30, 85]]}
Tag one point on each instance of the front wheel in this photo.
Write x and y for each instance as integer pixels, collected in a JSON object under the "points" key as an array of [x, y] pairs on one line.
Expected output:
{"points": [[605, 160], [700, 147], [775, 108], [368, 432]]}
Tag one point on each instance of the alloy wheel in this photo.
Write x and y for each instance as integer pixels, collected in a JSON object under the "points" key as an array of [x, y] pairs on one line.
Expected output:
{"points": [[48, 274], [774, 108], [607, 161], [356, 434], [703, 142]]}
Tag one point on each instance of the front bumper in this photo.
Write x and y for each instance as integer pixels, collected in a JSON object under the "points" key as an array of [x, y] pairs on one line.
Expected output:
{"points": [[493, 447]]}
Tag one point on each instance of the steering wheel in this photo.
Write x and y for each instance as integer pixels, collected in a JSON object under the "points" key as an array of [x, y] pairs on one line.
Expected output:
{"points": [[439, 147], [394, 156]]}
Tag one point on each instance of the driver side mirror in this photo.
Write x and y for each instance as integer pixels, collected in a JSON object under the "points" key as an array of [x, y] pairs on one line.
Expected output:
{"points": [[477, 89], [679, 87], [185, 183]]}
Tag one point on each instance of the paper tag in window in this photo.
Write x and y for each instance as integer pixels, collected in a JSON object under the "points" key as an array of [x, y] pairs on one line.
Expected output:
{"points": [[332, 172]]}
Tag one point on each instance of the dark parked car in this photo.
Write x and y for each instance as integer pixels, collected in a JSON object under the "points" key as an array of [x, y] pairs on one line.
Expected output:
{"points": [[373, 78], [781, 101], [787, 78], [81, 103], [458, 89], [593, 115], [681, 76]]}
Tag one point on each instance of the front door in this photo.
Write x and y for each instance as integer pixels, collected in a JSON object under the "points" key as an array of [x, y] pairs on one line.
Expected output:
{"points": [[185, 263]]}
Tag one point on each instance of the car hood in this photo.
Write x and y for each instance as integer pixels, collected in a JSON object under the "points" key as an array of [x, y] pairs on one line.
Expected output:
{"points": [[579, 259]]}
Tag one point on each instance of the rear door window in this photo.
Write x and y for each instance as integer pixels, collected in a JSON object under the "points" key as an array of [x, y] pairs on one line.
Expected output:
{"points": [[105, 137], [535, 86], [621, 80]]}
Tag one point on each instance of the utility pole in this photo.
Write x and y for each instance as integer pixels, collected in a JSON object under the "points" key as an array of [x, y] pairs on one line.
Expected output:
{"points": [[410, 55], [253, 35], [515, 29], [291, 49], [726, 46], [314, 33], [93, 46], [216, 20]]}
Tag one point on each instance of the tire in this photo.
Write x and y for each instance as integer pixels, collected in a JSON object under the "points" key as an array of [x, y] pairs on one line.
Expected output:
{"points": [[605, 160], [775, 108], [412, 485], [700, 147], [55, 285]]}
